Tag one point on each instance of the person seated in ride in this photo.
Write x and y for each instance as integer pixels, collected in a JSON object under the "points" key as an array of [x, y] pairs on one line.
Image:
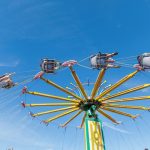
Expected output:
{"points": [[50, 65], [103, 60], [143, 62], [7, 83]]}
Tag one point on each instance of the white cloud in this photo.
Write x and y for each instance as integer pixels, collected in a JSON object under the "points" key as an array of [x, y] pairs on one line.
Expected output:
{"points": [[11, 64], [115, 128], [21, 135]]}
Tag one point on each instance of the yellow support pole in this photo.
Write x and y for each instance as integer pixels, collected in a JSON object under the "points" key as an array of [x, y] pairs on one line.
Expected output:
{"points": [[126, 106], [78, 113], [98, 82], [61, 115], [107, 116], [120, 113], [83, 120], [128, 99], [53, 96], [52, 111], [61, 88], [126, 91], [116, 85], [52, 104], [78, 83]]}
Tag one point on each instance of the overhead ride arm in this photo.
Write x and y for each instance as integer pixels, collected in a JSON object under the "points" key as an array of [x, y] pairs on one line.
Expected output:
{"points": [[61, 88], [53, 96], [117, 84], [51, 104], [83, 120], [107, 116], [128, 99], [121, 113], [78, 82], [98, 83], [61, 115], [126, 92], [127, 106], [78, 113], [52, 111]]}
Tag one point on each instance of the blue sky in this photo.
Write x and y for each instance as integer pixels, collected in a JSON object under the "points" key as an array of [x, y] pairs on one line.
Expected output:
{"points": [[68, 29]]}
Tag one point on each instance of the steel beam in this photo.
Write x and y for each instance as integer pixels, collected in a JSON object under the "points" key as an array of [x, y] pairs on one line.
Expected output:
{"points": [[126, 91], [51, 104], [120, 112], [52, 111], [117, 84], [128, 99], [98, 83], [61, 88], [107, 116], [76, 78], [73, 117], [61, 115], [53, 96]]}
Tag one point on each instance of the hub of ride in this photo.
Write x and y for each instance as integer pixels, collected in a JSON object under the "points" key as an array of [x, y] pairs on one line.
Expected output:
{"points": [[90, 106]]}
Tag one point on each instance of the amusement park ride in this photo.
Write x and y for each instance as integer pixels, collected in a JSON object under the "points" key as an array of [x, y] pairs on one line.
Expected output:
{"points": [[93, 104]]}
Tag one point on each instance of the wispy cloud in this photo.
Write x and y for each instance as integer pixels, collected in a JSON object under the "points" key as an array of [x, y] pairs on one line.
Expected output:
{"points": [[115, 128], [146, 90], [9, 64], [19, 136]]}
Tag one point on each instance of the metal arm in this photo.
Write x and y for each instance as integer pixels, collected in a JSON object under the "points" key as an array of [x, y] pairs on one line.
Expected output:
{"points": [[61, 88], [78, 113], [53, 96], [126, 91], [126, 106], [83, 119], [128, 99], [61, 115], [51, 104], [98, 83], [120, 112], [52, 111], [107, 116], [78, 83], [116, 84]]}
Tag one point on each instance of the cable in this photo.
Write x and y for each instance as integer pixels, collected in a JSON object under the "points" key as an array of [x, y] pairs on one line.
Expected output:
{"points": [[140, 134], [63, 141], [85, 66], [124, 63], [27, 71], [126, 58], [84, 59]]}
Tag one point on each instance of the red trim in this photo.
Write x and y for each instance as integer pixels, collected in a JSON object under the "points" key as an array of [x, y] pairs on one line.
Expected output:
{"points": [[23, 104], [24, 90], [39, 75]]}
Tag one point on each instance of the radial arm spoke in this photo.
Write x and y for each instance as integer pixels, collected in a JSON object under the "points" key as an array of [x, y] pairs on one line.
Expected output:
{"points": [[107, 116], [53, 96], [61, 88], [73, 117], [98, 83], [126, 91], [127, 106], [120, 112], [61, 115], [52, 111], [76, 78], [83, 120], [129, 99], [51, 104], [116, 85]]}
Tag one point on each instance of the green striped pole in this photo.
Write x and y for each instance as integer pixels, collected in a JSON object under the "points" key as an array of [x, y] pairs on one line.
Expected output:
{"points": [[94, 137]]}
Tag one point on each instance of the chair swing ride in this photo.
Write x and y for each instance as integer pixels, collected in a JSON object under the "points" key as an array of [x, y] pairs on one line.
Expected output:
{"points": [[90, 105]]}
